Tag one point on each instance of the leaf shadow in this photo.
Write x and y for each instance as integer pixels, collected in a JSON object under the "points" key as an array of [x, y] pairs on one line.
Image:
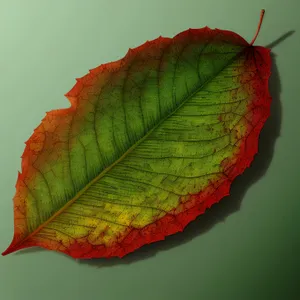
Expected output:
{"points": [[280, 39], [29, 250], [230, 204]]}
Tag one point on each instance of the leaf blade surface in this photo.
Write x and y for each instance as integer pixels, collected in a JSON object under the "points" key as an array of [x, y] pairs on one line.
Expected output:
{"points": [[148, 143]]}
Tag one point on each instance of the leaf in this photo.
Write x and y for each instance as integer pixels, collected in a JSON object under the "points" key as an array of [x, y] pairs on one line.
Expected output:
{"points": [[148, 143]]}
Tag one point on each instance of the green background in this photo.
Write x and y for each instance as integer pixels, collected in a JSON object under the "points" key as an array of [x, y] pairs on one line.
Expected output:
{"points": [[245, 247]]}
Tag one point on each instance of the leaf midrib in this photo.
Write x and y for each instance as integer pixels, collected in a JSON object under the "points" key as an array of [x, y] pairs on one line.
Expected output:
{"points": [[102, 174]]}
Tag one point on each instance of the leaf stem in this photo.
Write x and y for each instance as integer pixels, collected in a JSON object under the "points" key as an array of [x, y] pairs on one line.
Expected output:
{"points": [[259, 25]]}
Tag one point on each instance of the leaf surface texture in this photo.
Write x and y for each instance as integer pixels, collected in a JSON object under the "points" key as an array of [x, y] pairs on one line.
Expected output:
{"points": [[148, 143]]}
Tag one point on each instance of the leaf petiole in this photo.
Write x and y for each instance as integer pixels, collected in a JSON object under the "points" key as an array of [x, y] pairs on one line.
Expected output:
{"points": [[259, 25]]}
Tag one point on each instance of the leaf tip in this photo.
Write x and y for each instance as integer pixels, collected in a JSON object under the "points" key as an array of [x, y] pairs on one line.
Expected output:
{"points": [[4, 253], [9, 250]]}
